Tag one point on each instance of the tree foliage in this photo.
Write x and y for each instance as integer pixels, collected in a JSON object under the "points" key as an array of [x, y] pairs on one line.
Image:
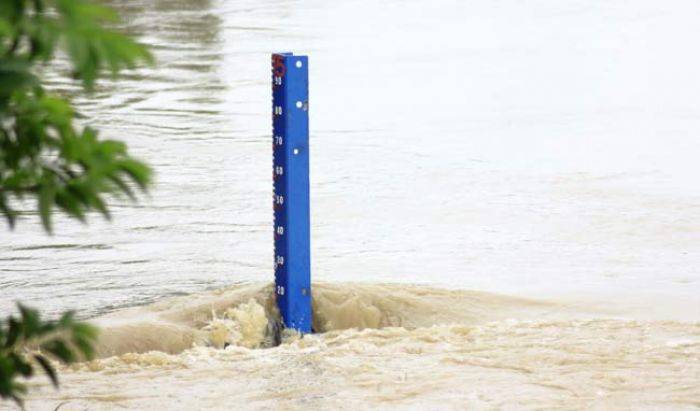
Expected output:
{"points": [[44, 155], [27, 342]]}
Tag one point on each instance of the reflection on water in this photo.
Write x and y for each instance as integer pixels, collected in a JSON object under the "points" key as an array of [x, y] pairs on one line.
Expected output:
{"points": [[496, 146]]}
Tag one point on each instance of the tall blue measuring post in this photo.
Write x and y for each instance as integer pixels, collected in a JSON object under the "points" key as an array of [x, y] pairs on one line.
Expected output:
{"points": [[290, 125]]}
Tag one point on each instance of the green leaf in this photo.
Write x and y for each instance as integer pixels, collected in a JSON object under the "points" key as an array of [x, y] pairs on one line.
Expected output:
{"points": [[60, 350], [121, 185], [139, 172], [6, 29], [67, 319], [9, 213], [85, 346], [98, 203], [30, 321], [23, 367], [70, 205], [64, 339], [13, 332], [15, 74], [47, 197], [48, 369]]}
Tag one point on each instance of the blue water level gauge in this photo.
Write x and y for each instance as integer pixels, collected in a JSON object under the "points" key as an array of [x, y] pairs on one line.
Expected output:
{"points": [[290, 126]]}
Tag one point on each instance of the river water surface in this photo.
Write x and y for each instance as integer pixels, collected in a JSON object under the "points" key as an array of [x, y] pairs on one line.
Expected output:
{"points": [[544, 150]]}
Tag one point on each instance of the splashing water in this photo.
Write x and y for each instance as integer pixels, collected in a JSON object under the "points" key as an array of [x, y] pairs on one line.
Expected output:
{"points": [[245, 325]]}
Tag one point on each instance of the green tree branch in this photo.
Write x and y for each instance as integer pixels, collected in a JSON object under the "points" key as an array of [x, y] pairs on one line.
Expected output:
{"points": [[42, 152], [45, 156]]}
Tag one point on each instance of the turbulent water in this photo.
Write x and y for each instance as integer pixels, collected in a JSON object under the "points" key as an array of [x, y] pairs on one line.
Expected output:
{"points": [[543, 153], [382, 346]]}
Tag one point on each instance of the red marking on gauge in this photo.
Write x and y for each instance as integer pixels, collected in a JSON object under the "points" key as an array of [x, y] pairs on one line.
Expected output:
{"points": [[278, 67]]}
